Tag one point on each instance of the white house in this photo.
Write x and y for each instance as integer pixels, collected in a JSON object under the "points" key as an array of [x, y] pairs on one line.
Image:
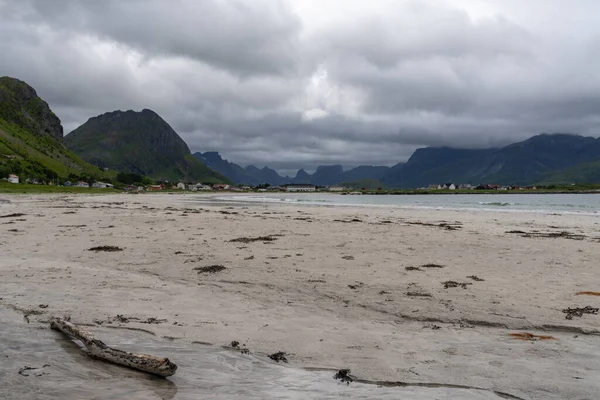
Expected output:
{"points": [[292, 187], [450, 186], [180, 186], [82, 184], [336, 188], [12, 178], [199, 187], [101, 185]]}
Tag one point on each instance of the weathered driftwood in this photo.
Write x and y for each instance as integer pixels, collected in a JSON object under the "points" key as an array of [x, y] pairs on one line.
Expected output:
{"points": [[154, 365]]}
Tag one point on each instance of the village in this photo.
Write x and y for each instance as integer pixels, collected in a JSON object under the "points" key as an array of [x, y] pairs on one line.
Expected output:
{"points": [[292, 187]]}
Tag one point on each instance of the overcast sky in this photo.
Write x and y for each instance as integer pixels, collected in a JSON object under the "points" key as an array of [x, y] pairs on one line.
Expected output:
{"points": [[300, 83]]}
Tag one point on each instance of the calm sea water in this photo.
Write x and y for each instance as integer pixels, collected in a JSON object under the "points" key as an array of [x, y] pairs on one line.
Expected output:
{"points": [[561, 203]]}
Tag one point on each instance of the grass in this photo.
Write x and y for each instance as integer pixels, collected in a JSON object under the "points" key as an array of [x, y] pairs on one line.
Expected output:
{"points": [[6, 187]]}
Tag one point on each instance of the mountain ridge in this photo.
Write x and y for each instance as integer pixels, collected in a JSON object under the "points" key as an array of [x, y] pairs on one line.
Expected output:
{"points": [[526, 162], [519, 163], [325, 175], [139, 142]]}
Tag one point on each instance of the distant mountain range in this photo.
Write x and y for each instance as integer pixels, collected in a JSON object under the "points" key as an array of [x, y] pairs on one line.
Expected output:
{"points": [[140, 143], [545, 158], [535, 160], [323, 176]]}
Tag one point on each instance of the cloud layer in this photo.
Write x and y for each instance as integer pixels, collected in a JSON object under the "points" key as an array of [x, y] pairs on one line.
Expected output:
{"points": [[300, 83]]}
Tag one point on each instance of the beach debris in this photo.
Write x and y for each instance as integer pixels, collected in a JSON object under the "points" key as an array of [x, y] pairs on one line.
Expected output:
{"points": [[123, 319], [279, 356], [413, 269], [349, 258], [530, 336], [344, 376], [253, 239], [430, 265], [579, 311], [13, 215], [211, 269], [552, 235], [235, 344], [475, 278], [588, 293], [43, 306], [26, 368], [384, 292], [450, 226], [347, 221], [249, 258], [357, 286], [418, 294], [453, 284], [98, 349], [193, 260], [316, 281], [433, 327], [105, 248], [153, 320]]}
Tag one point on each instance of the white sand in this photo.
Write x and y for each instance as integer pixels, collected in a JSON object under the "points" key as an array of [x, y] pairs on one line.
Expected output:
{"points": [[293, 295]]}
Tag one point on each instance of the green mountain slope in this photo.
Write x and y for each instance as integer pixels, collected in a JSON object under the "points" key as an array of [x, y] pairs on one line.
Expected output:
{"points": [[141, 143], [31, 137], [582, 173]]}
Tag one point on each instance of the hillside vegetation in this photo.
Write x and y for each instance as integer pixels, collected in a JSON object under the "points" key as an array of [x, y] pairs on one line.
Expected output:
{"points": [[31, 143]]}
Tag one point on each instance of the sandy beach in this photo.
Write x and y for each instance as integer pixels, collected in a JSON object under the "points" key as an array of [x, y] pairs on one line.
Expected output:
{"points": [[421, 296]]}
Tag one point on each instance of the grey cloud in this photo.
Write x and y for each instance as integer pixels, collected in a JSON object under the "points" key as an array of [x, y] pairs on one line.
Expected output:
{"points": [[246, 38], [265, 86]]}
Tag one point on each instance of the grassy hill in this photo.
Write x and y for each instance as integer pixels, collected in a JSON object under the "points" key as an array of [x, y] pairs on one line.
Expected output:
{"points": [[31, 138]]}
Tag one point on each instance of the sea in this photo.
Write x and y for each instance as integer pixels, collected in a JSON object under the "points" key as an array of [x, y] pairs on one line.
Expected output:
{"points": [[544, 203]]}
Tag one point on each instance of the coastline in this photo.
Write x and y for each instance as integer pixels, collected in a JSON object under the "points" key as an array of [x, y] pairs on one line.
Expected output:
{"points": [[334, 287]]}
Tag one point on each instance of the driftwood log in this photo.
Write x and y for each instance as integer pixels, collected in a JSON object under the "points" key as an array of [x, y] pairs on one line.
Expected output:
{"points": [[154, 365]]}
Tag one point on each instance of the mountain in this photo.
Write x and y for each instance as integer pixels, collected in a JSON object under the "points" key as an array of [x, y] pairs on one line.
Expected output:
{"points": [[20, 105], [140, 143], [327, 175], [234, 172], [266, 175], [301, 177], [31, 138], [367, 173], [519, 163], [581, 173], [324, 175], [250, 175]]}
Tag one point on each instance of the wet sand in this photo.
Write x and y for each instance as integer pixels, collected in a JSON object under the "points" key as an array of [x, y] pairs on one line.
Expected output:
{"points": [[332, 287]]}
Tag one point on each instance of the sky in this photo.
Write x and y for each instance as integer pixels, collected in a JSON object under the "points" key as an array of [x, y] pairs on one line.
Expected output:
{"points": [[300, 83]]}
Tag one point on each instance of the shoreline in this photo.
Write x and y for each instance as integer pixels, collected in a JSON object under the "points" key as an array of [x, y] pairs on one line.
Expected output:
{"points": [[276, 199], [333, 287]]}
